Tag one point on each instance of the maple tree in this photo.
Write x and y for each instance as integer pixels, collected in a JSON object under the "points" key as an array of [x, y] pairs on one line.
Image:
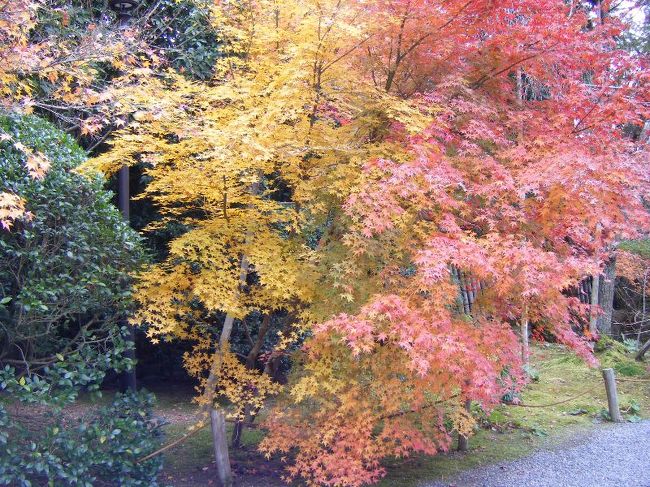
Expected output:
{"points": [[510, 182], [55, 74], [59, 59], [344, 156], [218, 157]]}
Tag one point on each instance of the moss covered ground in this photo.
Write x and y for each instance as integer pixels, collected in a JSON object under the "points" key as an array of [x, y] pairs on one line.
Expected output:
{"points": [[513, 431]]}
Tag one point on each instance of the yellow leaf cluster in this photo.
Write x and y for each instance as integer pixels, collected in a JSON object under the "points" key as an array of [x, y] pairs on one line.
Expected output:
{"points": [[257, 164]]}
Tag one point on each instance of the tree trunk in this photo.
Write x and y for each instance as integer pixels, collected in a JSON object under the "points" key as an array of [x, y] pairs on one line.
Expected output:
{"points": [[525, 348], [218, 422], [251, 359], [463, 441], [593, 316], [455, 277], [219, 440], [238, 431], [467, 305], [643, 350], [129, 382], [606, 297]]}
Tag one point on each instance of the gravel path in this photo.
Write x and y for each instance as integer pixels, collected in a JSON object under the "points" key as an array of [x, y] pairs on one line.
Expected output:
{"points": [[612, 456]]}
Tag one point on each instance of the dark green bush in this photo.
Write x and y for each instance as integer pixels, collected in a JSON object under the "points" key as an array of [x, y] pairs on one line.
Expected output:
{"points": [[63, 273], [99, 448], [64, 288]]}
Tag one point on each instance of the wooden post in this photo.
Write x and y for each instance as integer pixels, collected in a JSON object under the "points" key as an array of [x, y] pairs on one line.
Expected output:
{"points": [[218, 422], [463, 441], [612, 395]]}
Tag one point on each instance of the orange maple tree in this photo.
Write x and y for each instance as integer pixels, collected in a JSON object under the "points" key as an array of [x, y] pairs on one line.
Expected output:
{"points": [[56, 74], [522, 177]]}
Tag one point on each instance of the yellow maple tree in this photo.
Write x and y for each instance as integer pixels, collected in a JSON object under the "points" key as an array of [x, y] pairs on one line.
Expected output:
{"points": [[255, 163]]}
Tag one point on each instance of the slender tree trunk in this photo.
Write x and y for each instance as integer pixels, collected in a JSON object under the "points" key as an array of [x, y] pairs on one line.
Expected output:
{"points": [[584, 292], [251, 360], [525, 347], [218, 422], [455, 277], [593, 315], [643, 310], [218, 432], [129, 381], [238, 431], [606, 297], [467, 305], [520, 99], [463, 441], [217, 419]]}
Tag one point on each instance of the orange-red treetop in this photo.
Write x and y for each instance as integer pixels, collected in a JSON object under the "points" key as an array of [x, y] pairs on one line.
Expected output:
{"points": [[523, 177]]}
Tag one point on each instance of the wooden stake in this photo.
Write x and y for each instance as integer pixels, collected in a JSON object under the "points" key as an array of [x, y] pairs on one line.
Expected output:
{"points": [[612, 395]]}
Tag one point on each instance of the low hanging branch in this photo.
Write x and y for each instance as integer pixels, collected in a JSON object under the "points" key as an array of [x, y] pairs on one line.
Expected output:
{"points": [[194, 429]]}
